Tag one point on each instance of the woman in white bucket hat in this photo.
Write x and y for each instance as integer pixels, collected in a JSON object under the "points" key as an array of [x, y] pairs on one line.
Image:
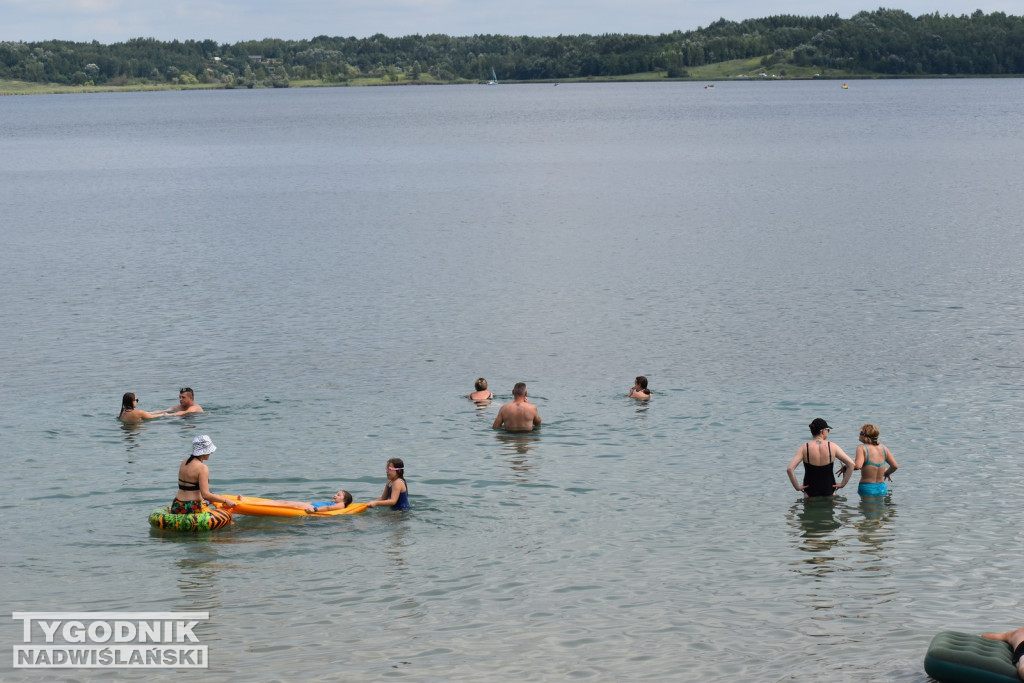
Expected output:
{"points": [[194, 480]]}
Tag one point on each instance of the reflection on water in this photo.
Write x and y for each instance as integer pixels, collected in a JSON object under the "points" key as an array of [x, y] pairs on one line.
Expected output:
{"points": [[131, 431], [877, 510], [876, 533], [517, 444], [516, 449], [815, 525], [521, 467], [197, 566], [394, 548], [197, 574], [823, 529]]}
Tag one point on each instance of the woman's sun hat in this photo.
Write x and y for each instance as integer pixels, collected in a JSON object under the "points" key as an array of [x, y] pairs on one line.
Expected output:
{"points": [[201, 445]]}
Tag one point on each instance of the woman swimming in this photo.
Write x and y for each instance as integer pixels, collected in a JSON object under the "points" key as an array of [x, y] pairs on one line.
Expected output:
{"points": [[640, 390], [129, 413], [481, 393]]}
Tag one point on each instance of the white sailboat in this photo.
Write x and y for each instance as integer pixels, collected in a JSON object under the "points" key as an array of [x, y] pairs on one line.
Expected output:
{"points": [[494, 78]]}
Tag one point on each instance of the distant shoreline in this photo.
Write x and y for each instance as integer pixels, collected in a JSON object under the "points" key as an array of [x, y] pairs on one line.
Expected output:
{"points": [[8, 87], [885, 43]]}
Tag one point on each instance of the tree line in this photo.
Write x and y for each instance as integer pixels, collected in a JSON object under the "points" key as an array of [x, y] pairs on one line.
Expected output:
{"points": [[885, 41]]}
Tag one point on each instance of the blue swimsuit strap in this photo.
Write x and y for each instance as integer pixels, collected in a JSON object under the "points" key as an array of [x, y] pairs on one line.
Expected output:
{"points": [[867, 456]]}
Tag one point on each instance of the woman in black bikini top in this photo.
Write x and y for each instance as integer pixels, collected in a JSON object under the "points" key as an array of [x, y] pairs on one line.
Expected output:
{"points": [[194, 479]]}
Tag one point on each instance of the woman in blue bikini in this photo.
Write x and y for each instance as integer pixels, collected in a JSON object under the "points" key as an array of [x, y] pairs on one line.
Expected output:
{"points": [[875, 463]]}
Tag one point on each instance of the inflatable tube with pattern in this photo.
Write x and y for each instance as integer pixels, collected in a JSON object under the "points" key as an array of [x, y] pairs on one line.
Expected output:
{"points": [[209, 518]]}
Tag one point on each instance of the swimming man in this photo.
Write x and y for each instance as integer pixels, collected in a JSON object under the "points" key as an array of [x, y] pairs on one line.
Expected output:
{"points": [[186, 403], [518, 416]]}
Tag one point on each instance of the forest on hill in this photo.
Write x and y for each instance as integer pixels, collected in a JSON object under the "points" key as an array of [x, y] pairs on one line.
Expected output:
{"points": [[885, 42]]}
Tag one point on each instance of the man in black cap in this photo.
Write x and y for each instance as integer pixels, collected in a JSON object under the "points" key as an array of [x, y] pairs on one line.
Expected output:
{"points": [[818, 455]]}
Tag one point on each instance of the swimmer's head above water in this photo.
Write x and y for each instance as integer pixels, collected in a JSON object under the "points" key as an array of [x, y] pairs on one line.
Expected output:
{"points": [[397, 467], [480, 384]]}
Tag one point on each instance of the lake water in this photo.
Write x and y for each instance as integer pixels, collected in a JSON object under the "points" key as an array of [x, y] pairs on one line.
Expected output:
{"points": [[331, 269]]}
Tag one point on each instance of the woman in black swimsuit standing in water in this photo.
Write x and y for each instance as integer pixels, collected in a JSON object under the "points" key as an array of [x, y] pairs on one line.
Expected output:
{"points": [[818, 456]]}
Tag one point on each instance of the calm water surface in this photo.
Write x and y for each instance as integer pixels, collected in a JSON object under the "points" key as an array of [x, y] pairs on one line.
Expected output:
{"points": [[331, 269]]}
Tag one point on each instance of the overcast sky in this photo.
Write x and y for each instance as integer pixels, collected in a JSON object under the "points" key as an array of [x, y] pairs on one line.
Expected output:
{"points": [[231, 21]]}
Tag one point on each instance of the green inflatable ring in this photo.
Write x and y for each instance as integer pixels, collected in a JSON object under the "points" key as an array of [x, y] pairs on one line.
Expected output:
{"points": [[209, 518], [955, 657]]}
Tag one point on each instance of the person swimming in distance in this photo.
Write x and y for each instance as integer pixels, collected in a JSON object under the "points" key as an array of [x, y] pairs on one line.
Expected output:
{"points": [[342, 499], [186, 403], [873, 473], [818, 455], [640, 390], [480, 393], [518, 416], [131, 414]]}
